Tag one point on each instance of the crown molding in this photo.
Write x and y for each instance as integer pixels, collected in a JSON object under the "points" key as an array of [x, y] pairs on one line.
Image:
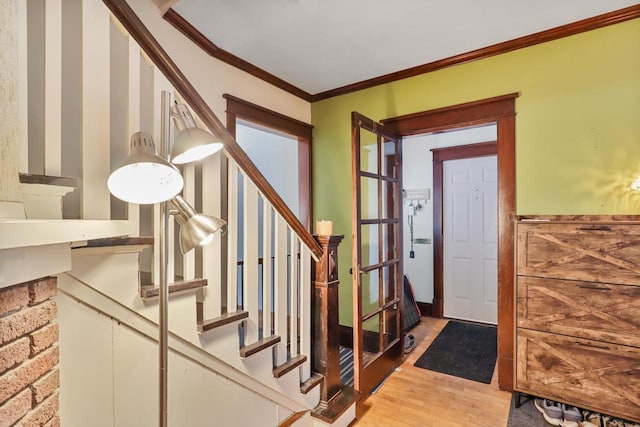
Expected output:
{"points": [[192, 33], [556, 33], [593, 23]]}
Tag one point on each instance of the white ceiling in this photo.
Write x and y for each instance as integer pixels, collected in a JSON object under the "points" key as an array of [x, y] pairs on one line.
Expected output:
{"points": [[318, 45]]}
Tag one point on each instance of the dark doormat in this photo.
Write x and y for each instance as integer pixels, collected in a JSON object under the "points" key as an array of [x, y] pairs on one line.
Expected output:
{"points": [[526, 415], [464, 350]]}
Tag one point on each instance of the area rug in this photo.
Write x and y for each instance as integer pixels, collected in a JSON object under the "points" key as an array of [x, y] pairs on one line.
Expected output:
{"points": [[464, 350], [525, 416]]}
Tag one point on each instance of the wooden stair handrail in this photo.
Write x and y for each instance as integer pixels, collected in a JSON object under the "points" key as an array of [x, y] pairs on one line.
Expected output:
{"points": [[136, 28]]}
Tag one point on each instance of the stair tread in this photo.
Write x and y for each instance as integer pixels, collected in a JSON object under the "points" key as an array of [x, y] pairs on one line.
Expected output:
{"points": [[28, 178], [119, 241], [289, 365], [311, 382], [251, 349], [151, 291], [221, 320]]}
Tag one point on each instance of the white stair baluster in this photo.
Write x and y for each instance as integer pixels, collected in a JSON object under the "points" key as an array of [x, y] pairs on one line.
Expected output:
{"points": [[305, 309], [95, 110], [53, 88], [23, 86], [294, 301], [267, 238], [212, 253], [280, 280], [133, 124], [250, 270], [189, 193], [232, 238]]}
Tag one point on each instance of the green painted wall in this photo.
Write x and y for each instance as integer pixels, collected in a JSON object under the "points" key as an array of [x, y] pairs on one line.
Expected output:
{"points": [[577, 127]]}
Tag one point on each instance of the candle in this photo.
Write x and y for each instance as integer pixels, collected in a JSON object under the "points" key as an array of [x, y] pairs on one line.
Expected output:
{"points": [[324, 227]]}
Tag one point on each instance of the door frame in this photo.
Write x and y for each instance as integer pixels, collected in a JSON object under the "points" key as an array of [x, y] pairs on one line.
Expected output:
{"points": [[499, 110], [441, 155], [279, 123]]}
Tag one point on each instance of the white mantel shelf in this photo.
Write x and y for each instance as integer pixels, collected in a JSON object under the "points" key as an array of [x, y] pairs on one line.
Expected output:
{"points": [[19, 233]]}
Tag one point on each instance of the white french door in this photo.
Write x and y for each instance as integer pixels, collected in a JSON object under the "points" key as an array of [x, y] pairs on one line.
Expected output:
{"points": [[470, 189]]}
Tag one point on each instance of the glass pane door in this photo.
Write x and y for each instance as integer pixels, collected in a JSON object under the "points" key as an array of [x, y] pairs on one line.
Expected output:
{"points": [[377, 253]]}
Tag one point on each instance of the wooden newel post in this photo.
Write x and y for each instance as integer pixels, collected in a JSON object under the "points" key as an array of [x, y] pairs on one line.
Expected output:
{"points": [[325, 327]]}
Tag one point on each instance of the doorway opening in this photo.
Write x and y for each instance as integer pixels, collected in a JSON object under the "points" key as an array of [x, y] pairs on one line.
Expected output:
{"points": [[501, 111], [459, 167]]}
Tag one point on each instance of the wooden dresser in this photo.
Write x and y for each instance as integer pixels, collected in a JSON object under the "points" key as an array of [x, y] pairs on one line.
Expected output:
{"points": [[578, 311]]}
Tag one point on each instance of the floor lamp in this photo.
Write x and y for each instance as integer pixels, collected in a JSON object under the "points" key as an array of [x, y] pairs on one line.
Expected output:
{"points": [[145, 177]]}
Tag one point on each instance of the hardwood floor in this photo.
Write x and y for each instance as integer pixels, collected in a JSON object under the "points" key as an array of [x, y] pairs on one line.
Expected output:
{"points": [[418, 397]]}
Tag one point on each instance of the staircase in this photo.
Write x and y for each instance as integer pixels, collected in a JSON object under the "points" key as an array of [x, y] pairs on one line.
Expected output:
{"points": [[240, 309], [100, 293]]}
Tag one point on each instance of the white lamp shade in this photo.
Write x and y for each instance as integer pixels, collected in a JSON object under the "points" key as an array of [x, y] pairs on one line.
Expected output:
{"points": [[144, 177], [191, 143], [199, 231], [195, 229]]}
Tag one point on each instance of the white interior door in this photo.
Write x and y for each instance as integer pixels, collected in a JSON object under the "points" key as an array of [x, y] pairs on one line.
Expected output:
{"points": [[470, 196]]}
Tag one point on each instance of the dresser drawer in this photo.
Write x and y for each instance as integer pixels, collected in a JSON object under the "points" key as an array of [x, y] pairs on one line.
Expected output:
{"points": [[590, 374], [591, 252], [599, 311]]}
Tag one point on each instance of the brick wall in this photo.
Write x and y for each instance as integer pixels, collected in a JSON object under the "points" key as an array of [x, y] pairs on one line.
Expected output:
{"points": [[29, 375]]}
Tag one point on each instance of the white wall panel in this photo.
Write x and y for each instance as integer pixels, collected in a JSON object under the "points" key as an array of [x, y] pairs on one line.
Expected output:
{"points": [[86, 364], [135, 379]]}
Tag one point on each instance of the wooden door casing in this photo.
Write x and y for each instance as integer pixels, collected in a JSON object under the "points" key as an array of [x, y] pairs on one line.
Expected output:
{"points": [[500, 110]]}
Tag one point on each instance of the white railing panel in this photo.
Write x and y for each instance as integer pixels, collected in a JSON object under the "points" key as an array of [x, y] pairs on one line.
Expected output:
{"points": [[232, 237], [95, 110], [250, 259], [53, 88], [280, 297]]}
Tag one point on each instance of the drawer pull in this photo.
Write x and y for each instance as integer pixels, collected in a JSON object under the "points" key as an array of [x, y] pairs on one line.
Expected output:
{"points": [[595, 228], [601, 347], [594, 288]]}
